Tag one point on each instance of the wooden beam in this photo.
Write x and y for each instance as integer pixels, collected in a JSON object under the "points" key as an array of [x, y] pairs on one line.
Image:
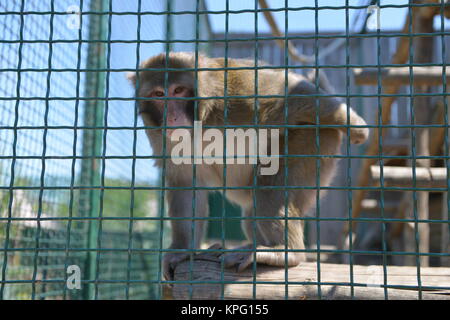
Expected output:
{"points": [[437, 135], [374, 206], [367, 279], [403, 177], [428, 76], [429, 12]]}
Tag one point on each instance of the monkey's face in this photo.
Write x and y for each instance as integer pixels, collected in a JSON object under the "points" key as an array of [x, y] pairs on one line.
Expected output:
{"points": [[167, 96], [173, 110]]}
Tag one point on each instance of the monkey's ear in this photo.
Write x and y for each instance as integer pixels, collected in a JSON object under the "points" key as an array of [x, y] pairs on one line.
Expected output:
{"points": [[132, 77]]}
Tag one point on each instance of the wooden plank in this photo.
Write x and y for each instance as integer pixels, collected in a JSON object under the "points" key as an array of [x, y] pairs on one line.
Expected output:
{"points": [[429, 76], [437, 135], [403, 177], [367, 282], [445, 234]]}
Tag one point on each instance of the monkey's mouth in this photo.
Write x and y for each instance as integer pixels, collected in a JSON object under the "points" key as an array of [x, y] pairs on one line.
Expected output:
{"points": [[156, 122]]}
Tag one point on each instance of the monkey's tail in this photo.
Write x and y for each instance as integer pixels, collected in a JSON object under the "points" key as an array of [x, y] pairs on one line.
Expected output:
{"points": [[324, 83]]}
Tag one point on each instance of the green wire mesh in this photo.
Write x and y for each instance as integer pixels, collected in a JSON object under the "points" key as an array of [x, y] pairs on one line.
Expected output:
{"points": [[77, 185], [54, 185]]}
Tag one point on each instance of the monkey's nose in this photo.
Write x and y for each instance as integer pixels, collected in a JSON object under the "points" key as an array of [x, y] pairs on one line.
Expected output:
{"points": [[171, 121], [169, 133]]}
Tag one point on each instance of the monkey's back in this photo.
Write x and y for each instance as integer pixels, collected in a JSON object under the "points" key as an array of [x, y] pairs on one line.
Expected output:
{"points": [[244, 87]]}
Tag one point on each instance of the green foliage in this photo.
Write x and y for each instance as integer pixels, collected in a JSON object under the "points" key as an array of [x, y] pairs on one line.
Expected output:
{"points": [[128, 203], [117, 203]]}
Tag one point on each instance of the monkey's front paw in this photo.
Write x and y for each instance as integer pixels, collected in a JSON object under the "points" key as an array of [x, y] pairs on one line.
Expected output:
{"points": [[239, 260], [170, 261], [359, 135], [242, 260]]}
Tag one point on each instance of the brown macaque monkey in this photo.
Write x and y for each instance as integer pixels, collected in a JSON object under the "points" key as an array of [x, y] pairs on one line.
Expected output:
{"points": [[240, 111]]}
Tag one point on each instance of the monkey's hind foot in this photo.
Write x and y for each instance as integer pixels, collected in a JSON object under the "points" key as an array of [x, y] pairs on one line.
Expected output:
{"points": [[243, 259], [361, 134]]}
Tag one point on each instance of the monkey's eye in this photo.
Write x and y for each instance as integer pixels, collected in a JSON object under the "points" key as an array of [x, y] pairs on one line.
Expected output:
{"points": [[158, 93], [179, 89]]}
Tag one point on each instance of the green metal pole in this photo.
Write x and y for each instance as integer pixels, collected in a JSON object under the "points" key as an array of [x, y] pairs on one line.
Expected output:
{"points": [[92, 138]]}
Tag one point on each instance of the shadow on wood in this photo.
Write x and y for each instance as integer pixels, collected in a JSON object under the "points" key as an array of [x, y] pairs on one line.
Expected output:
{"points": [[303, 282]]}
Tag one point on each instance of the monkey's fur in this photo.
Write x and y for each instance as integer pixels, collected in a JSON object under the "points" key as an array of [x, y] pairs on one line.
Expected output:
{"points": [[270, 233]]}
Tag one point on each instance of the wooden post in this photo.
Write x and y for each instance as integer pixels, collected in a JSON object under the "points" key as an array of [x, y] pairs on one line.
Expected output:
{"points": [[400, 57], [423, 53], [437, 135], [445, 234], [445, 231]]}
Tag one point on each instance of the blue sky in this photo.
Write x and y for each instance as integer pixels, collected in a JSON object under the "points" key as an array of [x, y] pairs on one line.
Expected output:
{"points": [[302, 20], [298, 21]]}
